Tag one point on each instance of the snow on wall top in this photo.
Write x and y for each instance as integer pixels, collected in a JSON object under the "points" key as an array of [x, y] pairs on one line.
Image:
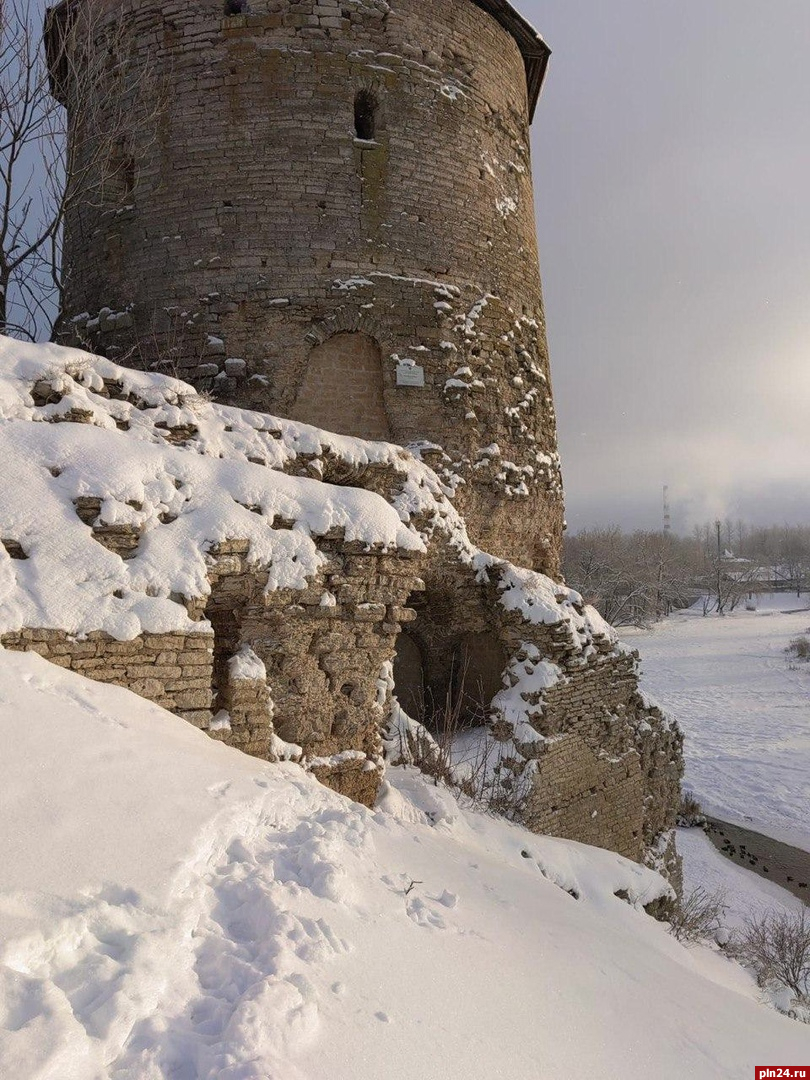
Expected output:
{"points": [[187, 474], [182, 499]]}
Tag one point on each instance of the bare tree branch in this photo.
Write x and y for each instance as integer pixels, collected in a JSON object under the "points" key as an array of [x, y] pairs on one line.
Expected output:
{"points": [[70, 111]]}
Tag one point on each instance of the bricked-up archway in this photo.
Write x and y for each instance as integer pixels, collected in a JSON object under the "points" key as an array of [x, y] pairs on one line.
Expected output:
{"points": [[342, 388]]}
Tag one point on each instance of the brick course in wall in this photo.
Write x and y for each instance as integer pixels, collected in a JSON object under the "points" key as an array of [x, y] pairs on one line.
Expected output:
{"points": [[173, 670]]}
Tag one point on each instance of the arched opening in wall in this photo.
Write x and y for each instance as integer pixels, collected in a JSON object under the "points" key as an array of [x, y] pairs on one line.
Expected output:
{"points": [[409, 676], [478, 665], [448, 666], [365, 115], [342, 388]]}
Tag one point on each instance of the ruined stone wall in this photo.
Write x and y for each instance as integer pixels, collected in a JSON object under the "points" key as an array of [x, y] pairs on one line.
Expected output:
{"points": [[173, 670], [304, 672], [607, 767], [610, 774], [254, 225], [321, 648], [581, 795]]}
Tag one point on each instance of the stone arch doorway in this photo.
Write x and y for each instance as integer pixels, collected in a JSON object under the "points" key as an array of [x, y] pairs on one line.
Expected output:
{"points": [[342, 388], [448, 664]]}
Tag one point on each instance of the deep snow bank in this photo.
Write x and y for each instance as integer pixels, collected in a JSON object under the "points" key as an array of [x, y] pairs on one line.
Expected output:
{"points": [[171, 908]]}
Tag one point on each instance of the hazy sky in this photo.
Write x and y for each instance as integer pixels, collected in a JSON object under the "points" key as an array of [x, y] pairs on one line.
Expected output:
{"points": [[671, 153]]}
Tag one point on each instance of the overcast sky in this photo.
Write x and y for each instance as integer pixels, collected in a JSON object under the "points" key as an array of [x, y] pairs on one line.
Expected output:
{"points": [[671, 154]]}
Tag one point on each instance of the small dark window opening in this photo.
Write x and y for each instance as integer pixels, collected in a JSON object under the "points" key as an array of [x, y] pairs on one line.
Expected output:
{"points": [[129, 176], [120, 179], [236, 7], [365, 115]]}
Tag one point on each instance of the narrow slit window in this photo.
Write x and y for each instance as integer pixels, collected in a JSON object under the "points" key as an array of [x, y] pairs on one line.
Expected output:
{"points": [[119, 181], [128, 176], [365, 115]]}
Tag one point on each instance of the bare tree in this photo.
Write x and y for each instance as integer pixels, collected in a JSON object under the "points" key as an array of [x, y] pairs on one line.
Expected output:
{"points": [[631, 578], [30, 130], [699, 915], [636, 578], [71, 107], [777, 946], [795, 557], [724, 579]]}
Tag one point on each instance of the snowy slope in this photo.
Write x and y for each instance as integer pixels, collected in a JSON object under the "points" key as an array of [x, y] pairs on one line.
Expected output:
{"points": [[171, 908], [744, 710]]}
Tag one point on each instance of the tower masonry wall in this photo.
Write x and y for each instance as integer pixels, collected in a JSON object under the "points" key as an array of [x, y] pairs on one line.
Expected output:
{"points": [[312, 170]]}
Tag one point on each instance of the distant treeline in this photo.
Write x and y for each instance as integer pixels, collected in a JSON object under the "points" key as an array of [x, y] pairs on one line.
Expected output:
{"points": [[636, 578]]}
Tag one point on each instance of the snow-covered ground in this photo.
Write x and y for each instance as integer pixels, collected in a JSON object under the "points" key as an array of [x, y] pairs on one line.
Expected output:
{"points": [[170, 908], [744, 707]]}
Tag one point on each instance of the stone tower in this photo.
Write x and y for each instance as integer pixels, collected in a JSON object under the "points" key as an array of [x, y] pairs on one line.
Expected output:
{"points": [[329, 216]]}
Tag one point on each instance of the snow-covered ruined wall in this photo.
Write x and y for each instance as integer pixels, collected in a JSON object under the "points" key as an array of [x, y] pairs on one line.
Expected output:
{"points": [[262, 579], [328, 215], [572, 748], [146, 539]]}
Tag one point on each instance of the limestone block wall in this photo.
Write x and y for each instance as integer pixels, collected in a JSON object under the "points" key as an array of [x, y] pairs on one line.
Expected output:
{"points": [[606, 765], [320, 649], [173, 670], [612, 766], [245, 714], [583, 795], [312, 170]]}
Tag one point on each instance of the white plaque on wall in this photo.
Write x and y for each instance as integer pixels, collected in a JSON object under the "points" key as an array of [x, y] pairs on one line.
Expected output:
{"points": [[410, 375]]}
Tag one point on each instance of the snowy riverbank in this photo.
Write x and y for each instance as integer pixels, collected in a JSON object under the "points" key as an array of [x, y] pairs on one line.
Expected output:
{"points": [[744, 707]]}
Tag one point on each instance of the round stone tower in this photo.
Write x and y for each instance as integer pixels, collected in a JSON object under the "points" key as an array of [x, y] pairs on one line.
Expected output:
{"points": [[323, 209]]}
